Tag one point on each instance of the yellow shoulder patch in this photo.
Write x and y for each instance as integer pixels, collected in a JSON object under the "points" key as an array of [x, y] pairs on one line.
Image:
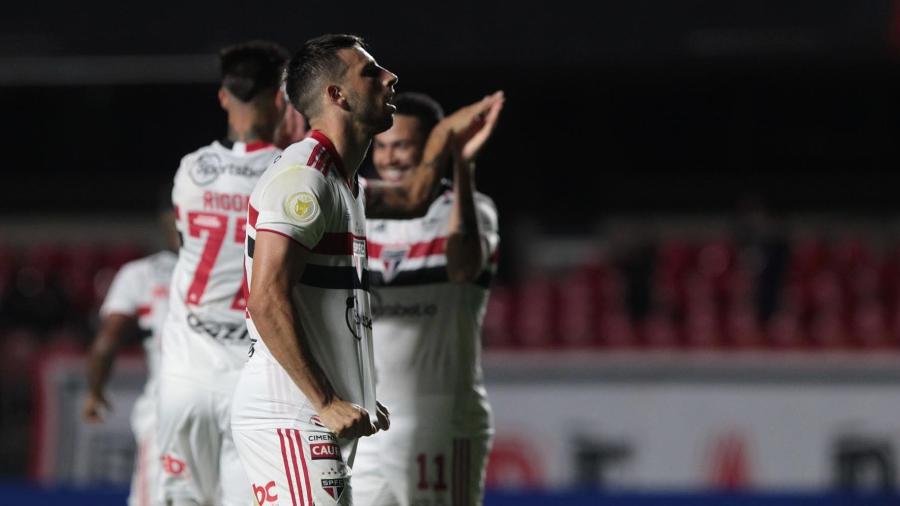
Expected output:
{"points": [[301, 207]]}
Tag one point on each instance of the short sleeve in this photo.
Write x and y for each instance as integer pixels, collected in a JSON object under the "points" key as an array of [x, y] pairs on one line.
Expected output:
{"points": [[488, 227], [124, 295], [296, 203]]}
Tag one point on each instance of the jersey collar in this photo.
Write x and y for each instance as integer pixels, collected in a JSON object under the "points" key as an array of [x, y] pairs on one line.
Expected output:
{"points": [[329, 146], [245, 147]]}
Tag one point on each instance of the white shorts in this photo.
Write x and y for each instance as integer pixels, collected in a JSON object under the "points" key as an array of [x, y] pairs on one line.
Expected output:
{"points": [[289, 457], [295, 467], [199, 462], [145, 477], [420, 466]]}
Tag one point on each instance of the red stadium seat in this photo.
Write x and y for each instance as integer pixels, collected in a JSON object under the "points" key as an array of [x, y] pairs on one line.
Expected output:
{"points": [[578, 307], [616, 330], [499, 320], [701, 328], [536, 312], [827, 330], [742, 328], [659, 332], [869, 327], [785, 331]]}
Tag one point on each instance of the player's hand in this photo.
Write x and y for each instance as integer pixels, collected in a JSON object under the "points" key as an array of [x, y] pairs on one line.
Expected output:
{"points": [[475, 122], [95, 406], [384, 416], [346, 420], [473, 146]]}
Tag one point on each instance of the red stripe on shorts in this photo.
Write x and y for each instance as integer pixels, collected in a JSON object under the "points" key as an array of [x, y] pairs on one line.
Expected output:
{"points": [[287, 472], [305, 470]]}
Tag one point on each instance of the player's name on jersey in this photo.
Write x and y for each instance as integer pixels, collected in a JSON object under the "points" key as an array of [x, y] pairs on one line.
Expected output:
{"points": [[210, 166], [214, 201]]}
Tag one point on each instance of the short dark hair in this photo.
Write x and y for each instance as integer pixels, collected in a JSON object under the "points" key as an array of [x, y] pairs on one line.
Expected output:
{"points": [[316, 59], [419, 105], [251, 67]]}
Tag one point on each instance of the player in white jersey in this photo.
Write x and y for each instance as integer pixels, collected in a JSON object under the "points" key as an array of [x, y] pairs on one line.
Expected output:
{"points": [[205, 341], [430, 279], [137, 300], [307, 392]]}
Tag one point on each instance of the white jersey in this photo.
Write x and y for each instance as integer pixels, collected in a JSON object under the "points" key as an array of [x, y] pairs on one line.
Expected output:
{"points": [[307, 197], [141, 289], [205, 334], [428, 330]]}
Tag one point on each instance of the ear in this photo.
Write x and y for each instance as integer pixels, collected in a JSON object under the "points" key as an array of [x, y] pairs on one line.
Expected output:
{"points": [[336, 96], [224, 99]]}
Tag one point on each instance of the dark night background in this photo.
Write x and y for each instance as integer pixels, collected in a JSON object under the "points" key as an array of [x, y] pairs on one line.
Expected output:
{"points": [[628, 107]]}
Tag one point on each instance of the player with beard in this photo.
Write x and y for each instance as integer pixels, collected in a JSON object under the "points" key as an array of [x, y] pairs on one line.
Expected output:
{"points": [[307, 393]]}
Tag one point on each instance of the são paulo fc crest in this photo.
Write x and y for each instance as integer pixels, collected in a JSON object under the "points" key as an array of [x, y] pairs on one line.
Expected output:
{"points": [[391, 258], [334, 487]]}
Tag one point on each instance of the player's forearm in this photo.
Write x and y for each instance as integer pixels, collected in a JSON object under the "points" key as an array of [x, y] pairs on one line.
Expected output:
{"points": [[114, 328], [100, 362], [434, 159], [273, 317], [464, 251]]}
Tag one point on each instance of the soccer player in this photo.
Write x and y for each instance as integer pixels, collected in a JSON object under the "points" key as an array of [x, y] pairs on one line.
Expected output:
{"points": [[430, 279], [205, 341], [137, 301], [307, 392]]}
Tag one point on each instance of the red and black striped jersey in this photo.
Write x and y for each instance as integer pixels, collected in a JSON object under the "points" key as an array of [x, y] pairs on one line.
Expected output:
{"points": [[308, 197], [427, 329]]}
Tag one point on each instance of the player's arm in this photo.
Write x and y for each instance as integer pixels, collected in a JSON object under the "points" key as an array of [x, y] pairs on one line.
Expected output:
{"points": [[465, 255], [410, 199], [114, 328], [278, 264], [466, 251]]}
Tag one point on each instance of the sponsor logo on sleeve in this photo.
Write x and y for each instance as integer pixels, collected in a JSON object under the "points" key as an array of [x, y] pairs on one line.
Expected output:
{"points": [[302, 208], [324, 451]]}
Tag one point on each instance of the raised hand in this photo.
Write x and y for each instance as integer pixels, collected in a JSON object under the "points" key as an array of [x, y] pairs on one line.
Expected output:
{"points": [[473, 145]]}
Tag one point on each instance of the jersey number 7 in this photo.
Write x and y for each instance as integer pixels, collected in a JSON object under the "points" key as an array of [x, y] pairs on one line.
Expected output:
{"points": [[216, 227]]}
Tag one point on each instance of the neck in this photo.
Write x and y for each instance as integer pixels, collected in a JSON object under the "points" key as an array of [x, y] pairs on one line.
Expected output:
{"points": [[350, 142], [247, 126]]}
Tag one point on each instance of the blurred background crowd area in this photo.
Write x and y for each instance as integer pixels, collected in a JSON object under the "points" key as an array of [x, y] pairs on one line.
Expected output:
{"points": [[816, 284]]}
